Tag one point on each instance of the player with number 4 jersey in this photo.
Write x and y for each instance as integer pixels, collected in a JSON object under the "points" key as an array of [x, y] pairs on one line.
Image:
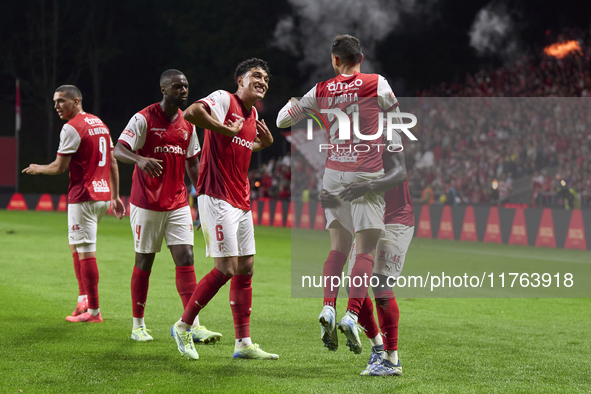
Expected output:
{"points": [[165, 146], [86, 149]]}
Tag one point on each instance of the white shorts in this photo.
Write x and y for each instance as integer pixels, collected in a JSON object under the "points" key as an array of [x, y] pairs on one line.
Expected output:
{"points": [[364, 213], [150, 227], [390, 251], [228, 231], [83, 218]]}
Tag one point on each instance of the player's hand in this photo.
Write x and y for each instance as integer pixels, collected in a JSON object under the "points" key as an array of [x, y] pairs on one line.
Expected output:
{"points": [[150, 166], [118, 207], [264, 134], [235, 127], [328, 200], [354, 191], [33, 169]]}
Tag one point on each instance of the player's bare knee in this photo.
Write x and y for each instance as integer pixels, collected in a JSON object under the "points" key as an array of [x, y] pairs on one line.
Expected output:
{"points": [[245, 265], [144, 261]]}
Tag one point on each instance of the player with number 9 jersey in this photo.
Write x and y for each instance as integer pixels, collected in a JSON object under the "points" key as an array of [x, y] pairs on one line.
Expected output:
{"points": [[87, 140]]}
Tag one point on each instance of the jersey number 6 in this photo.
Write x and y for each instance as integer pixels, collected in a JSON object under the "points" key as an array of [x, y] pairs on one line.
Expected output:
{"points": [[218, 232]]}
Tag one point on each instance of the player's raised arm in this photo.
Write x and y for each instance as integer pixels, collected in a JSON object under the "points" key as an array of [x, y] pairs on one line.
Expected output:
{"points": [[293, 111], [198, 115]]}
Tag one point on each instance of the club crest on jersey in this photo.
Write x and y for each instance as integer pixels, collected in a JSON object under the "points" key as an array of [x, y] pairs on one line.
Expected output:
{"points": [[185, 134]]}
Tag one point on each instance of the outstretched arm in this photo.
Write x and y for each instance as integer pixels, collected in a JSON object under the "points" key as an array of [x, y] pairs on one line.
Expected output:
{"points": [[56, 167]]}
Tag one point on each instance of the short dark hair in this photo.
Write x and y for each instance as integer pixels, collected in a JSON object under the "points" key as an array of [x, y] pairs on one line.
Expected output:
{"points": [[71, 91], [347, 48], [165, 77], [248, 64]]}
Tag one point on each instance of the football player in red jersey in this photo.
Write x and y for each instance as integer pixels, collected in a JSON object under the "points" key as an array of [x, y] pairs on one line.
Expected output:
{"points": [[391, 252], [232, 132], [86, 149], [366, 96], [166, 146]]}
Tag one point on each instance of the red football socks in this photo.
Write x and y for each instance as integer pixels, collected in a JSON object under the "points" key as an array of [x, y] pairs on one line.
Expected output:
{"points": [[140, 280], [90, 276], [185, 282], [333, 266], [367, 320], [388, 315], [360, 278], [207, 287], [81, 290], [241, 302]]}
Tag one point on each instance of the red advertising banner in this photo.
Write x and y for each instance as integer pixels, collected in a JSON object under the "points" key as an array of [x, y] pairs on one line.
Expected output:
{"points": [[546, 235], [446, 227], [424, 230], [469, 226], [575, 236], [518, 234], [493, 227]]}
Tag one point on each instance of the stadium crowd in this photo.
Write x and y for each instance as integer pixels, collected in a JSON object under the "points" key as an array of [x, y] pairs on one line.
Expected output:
{"points": [[472, 148]]}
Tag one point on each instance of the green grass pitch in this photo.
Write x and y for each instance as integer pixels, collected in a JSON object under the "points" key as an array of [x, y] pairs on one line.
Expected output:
{"points": [[451, 345]]}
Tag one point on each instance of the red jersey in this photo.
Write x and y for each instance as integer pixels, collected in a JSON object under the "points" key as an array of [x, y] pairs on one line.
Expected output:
{"points": [[151, 134], [364, 94], [86, 138], [399, 208], [223, 169]]}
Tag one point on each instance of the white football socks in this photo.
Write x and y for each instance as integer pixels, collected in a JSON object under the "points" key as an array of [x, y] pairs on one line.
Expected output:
{"points": [[392, 356], [138, 322], [94, 312], [376, 341], [243, 342], [182, 326], [81, 298]]}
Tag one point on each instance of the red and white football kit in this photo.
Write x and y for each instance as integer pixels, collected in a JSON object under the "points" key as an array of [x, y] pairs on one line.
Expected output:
{"points": [[391, 253], [159, 205], [361, 97], [224, 207], [87, 140], [223, 187]]}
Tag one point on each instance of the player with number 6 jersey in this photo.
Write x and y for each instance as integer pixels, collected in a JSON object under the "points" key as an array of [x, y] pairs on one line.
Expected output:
{"points": [[165, 146], [86, 149], [232, 132]]}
